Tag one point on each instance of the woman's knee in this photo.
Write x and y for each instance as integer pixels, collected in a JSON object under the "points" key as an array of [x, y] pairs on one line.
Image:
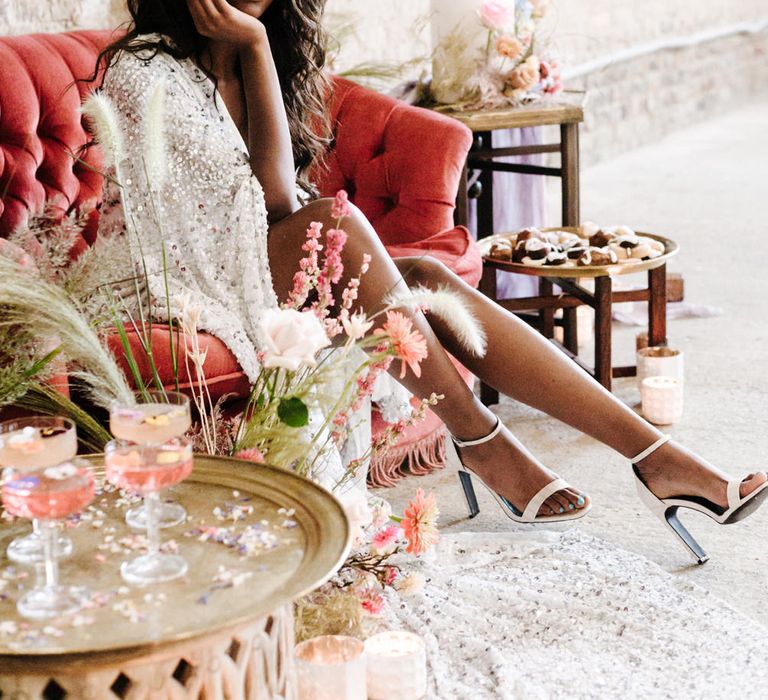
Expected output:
{"points": [[423, 269]]}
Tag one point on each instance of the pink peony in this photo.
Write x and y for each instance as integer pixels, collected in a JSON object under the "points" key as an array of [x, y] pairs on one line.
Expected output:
{"points": [[293, 338], [496, 14], [251, 455], [385, 540], [420, 523], [526, 76]]}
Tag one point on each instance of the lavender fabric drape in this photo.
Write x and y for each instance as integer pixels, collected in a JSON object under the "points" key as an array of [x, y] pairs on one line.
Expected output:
{"points": [[518, 201]]}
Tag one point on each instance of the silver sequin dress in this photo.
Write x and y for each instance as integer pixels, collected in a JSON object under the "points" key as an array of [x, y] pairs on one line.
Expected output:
{"points": [[209, 214]]}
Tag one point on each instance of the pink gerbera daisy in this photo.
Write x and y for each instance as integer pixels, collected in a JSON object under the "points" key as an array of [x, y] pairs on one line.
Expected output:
{"points": [[409, 345], [420, 523]]}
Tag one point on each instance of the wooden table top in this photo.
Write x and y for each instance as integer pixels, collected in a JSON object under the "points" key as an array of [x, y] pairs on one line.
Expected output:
{"points": [[568, 110]]}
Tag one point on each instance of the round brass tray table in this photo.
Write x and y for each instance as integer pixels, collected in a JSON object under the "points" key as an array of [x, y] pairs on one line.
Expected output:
{"points": [[574, 294], [256, 538]]}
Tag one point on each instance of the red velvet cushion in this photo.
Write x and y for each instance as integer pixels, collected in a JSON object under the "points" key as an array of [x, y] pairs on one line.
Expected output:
{"points": [[222, 372], [41, 126], [400, 164]]}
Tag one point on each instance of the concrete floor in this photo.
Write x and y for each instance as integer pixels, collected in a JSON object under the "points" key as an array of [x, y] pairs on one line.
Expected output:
{"points": [[706, 187]]}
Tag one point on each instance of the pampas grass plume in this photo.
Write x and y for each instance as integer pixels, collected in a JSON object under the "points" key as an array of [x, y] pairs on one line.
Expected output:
{"points": [[103, 118], [155, 151], [450, 309]]}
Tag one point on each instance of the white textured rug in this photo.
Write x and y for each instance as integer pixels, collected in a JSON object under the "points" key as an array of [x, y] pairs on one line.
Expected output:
{"points": [[550, 615]]}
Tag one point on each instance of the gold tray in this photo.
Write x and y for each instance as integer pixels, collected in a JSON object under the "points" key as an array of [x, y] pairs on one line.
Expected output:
{"points": [[671, 249], [305, 555]]}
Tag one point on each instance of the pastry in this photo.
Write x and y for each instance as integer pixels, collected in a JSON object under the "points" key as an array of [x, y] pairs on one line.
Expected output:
{"points": [[597, 256], [589, 229], [502, 250], [556, 257], [602, 238]]}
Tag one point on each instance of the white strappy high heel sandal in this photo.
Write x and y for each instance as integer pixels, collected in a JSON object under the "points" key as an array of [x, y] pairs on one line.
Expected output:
{"points": [[666, 508], [530, 514]]}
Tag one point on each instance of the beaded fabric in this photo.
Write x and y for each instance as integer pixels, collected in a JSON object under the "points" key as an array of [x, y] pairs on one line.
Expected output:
{"points": [[209, 214]]}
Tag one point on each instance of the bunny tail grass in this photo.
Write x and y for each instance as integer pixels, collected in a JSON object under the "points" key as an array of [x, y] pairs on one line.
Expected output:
{"points": [[45, 312], [450, 309], [103, 118]]}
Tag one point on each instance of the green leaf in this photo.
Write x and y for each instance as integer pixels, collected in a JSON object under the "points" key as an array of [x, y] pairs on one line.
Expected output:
{"points": [[293, 411]]}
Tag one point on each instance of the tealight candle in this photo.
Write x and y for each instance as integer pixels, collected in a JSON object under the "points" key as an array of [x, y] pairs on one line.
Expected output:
{"points": [[662, 399], [397, 666], [331, 667], [659, 362]]}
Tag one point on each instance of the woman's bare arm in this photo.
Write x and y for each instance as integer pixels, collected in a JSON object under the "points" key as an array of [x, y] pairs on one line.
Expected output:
{"points": [[269, 138]]}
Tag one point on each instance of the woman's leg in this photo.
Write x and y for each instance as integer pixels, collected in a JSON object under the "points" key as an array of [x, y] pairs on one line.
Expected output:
{"points": [[461, 411], [520, 363]]}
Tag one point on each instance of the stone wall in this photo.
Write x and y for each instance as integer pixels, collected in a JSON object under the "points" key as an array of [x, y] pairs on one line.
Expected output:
{"points": [[631, 101]]}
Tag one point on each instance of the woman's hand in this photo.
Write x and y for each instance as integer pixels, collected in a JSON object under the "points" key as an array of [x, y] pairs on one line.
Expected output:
{"points": [[218, 20]]}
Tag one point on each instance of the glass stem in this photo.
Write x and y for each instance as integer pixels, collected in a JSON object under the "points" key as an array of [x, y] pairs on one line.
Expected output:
{"points": [[48, 531], [152, 504]]}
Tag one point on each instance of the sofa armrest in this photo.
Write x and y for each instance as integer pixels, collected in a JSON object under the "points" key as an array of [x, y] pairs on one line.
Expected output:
{"points": [[400, 164]]}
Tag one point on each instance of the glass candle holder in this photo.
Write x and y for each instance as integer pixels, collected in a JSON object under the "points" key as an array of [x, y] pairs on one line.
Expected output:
{"points": [[49, 495], [662, 400], [154, 418], [30, 444], [659, 362], [147, 470], [397, 666], [331, 667]]}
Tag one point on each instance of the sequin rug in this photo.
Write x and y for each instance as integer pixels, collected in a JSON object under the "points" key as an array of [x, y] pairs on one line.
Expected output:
{"points": [[550, 615]]}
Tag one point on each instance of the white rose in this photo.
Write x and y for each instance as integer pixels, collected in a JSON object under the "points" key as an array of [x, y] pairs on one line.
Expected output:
{"points": [[293, 338]]}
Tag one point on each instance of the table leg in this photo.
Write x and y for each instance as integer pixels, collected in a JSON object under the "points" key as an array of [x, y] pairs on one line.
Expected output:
{"points": [[488, 395], [569, 164], [485, 223], [461, 214], [603, 303], [657, 306], [546, 316], [570, 329]]}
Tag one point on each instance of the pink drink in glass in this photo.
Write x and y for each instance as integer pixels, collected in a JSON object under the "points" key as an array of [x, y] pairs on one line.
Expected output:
{"points": [[36, 446], [147, 469], [151, 469], [149, 423], [49, 494]]}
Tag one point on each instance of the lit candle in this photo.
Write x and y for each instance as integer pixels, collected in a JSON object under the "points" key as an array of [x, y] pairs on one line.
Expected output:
{"points": [[659, 362], [397, 666], [662, 399], [331, 668]]}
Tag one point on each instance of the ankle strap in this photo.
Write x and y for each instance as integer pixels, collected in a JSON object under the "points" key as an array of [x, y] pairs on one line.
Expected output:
{"points": [[648, 452], [479, 441]]}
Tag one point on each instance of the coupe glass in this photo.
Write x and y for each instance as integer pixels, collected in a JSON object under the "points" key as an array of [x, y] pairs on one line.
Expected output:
{"points": [[49, 495], [155, 418], [147, 470], [29, 444]]}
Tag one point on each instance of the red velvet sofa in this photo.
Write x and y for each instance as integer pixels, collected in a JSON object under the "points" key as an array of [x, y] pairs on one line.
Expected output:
{"points": [[400, 165]]}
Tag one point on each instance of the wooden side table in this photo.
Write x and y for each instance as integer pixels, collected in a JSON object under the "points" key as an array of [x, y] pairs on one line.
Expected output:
{"points": [[570, 280], [482, 162]]}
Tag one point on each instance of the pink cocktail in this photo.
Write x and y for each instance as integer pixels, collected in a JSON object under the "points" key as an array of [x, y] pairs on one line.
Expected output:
{"points": [[28, 444], [154, 418], [147, 470], [49, 495]]}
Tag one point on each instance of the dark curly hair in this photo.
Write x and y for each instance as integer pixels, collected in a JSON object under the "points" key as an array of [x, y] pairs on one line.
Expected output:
{"points": [[298, 44]]}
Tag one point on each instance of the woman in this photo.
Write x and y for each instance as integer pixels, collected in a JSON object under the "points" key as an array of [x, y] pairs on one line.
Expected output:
{"points": [[245, 94]]}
